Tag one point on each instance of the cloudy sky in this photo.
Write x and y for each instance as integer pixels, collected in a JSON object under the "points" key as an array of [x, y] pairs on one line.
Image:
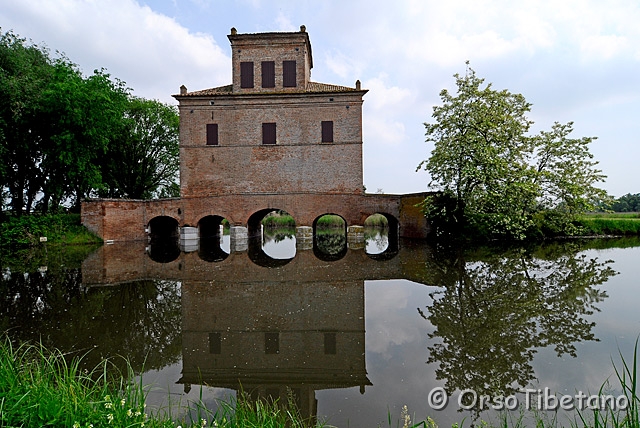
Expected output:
{"points": [[574, 60]]}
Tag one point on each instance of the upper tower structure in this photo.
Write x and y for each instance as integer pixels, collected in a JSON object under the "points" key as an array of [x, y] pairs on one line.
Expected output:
{"points": [[270, 62], [273, 131]]}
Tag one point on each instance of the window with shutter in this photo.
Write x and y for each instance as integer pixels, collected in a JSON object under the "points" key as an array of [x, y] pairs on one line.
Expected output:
{"points": [[268, 74], [327, 131], [268, 133], [246, 74], [289, 74], [212, 134]]}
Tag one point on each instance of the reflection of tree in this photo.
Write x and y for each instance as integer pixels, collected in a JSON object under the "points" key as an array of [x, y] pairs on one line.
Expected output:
{"points": [[278, 234], [140, 320], [330, 244], [377, 236], [493, 313]]}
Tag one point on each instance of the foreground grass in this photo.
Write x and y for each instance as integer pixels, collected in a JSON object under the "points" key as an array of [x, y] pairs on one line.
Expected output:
{"points": [[39, 387], [26, 230]]}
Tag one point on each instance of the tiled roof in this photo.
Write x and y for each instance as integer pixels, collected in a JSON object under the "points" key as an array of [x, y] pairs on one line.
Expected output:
{"points": [[312, 87]]}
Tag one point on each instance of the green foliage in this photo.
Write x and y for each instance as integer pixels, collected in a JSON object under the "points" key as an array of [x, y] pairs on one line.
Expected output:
{"points": [[65, 136], [142, 159], [493, 176], [26, 231], [40, 387], [626, 203]]}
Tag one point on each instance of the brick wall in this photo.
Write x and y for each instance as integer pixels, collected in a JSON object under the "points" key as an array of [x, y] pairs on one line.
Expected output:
{"points": [[298, 162]]}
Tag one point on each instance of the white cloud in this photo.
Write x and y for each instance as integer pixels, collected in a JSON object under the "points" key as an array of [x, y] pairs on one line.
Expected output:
{"points": [[151, 52]]}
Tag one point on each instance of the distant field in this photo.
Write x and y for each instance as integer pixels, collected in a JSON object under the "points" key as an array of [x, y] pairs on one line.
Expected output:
{"points": [[612, 215], [611, 223]]}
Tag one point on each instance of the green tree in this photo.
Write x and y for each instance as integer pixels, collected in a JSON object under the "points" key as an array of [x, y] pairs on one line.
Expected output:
{"points": [[25, 70], [81, 115], [143, 158], [494, 178], [54, 125]]}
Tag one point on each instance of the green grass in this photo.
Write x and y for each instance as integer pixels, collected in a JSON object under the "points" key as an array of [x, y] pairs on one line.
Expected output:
{"points": [[603, 224], [39, 387], [276, 220], [330, 221], [26, 231]]}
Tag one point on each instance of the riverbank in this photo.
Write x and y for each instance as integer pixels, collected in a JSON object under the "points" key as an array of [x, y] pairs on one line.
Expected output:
{"points": [[40, 387], [620, 224], [32, 230]]}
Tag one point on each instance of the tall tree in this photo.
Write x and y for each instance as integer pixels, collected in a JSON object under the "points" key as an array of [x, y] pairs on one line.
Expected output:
{"points": [[143, 157], [494, 177], [25, 70]]}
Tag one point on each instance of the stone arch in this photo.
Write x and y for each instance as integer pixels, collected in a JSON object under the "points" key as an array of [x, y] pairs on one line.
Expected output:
{"points": [[210, 237], [393, 244], [257, 239], [329, 246], [163, 228]]}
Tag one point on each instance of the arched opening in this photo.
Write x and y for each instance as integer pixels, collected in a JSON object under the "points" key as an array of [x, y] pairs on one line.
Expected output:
{"points": [[163, 239], [213, 238], [381, 236], [329, 237], [272, 237]]}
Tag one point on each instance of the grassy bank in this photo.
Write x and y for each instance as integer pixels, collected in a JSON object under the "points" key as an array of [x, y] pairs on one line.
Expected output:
{"points": [[39, 387], [610, 224], [26, 231]]}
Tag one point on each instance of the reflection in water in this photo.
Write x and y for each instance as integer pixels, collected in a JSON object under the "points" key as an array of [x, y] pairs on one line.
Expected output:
{"points": [[298, 328], [330, 244], [376, 240], [494, 310], [279, 243]]}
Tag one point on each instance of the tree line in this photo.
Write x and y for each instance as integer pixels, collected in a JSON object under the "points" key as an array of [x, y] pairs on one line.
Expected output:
{"points": [[65, 136]]}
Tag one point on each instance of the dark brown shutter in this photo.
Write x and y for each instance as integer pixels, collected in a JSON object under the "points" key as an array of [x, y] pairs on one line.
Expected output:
{"points": [[272, 343], [215, 343], [289, 74], [212, 134], [268, 133], [246, 74], [327, 131], [268, 74]]}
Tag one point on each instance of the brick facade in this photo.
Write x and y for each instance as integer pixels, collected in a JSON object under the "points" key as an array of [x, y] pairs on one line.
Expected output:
{"points": [[232, 166]]}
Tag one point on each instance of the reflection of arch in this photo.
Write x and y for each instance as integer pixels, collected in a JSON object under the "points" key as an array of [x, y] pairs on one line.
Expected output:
{"points": [[209, 233], [255, 243], [330, 246], [393, 246], [163, 239]]}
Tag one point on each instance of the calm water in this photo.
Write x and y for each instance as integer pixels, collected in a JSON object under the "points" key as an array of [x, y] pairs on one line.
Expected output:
{"points": [[353, 333]]}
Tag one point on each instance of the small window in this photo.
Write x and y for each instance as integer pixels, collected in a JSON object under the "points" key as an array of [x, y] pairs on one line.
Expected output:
{"points": [[212, 134], [289, 74], [268, 133], [215, 343], [330, 343], [268, 74], [246, 74], [327, 131], [272, 343]]}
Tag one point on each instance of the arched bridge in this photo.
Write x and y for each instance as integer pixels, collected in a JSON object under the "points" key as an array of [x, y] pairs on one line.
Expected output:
{"points": [[122, 220]]}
